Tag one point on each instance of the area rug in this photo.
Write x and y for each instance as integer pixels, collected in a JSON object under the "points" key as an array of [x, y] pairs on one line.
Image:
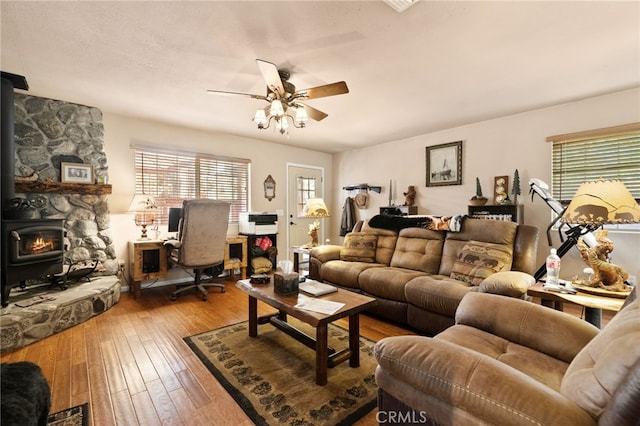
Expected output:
{"points": [[272, 377], [74, 416]]}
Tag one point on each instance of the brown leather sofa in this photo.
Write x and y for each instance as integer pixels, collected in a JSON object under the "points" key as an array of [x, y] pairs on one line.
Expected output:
{"points": [[512, 362], [418, 275]]}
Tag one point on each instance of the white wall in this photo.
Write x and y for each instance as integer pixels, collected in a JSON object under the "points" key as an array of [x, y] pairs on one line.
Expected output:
{"points": [[491, 148], [266, 158]]}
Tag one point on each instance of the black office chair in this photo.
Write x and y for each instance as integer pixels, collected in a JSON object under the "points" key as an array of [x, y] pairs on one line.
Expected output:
{"points": [[201, 242]]}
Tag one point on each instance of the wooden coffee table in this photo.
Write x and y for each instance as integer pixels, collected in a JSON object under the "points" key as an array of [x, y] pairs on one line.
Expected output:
{"points": [[593, 305], [286, 305]]}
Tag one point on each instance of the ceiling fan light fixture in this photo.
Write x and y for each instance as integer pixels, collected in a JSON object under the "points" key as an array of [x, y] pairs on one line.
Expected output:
{"points": [[276, 108], [260, 118], [301, 117]]}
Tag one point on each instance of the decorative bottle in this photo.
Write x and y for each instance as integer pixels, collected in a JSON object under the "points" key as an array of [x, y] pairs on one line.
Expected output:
{"points": [[553, 268]]}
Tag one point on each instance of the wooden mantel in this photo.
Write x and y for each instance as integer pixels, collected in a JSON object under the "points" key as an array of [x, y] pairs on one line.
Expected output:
{"points": [[63, 188]]}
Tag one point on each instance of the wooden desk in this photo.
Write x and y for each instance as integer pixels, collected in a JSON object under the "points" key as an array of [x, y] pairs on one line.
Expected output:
{"points": [[593, 305], [148, 260]]}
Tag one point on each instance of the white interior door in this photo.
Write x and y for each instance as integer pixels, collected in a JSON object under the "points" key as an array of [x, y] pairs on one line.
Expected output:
{"points": [[303, 182]]}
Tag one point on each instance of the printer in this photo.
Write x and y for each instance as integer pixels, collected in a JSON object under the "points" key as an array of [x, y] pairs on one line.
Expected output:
{"points": [[258, 223]]}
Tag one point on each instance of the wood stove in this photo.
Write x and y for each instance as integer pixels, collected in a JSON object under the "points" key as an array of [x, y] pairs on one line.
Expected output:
{"points": [[32, 249]]}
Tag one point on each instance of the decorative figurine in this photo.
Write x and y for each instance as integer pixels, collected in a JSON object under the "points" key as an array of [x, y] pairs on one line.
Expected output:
{"points": [[605, 275]]}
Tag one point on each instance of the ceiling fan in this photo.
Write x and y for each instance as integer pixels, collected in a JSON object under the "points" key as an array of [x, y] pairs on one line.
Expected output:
{"points": [[284, 100]]}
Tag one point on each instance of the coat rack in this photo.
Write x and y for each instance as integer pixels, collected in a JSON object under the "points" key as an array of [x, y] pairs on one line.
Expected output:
{"points": [[363, 186]]}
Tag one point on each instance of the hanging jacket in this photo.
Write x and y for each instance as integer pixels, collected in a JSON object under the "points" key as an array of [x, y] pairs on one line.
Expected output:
{"points": [[348, 217]]}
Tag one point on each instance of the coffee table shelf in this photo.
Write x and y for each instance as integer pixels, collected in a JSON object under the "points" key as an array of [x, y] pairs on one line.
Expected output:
{"points": [[286, 305]]}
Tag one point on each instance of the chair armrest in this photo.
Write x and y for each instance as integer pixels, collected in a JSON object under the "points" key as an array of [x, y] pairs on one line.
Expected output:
{"points": [[537, 327], [461, 379], [326, 252], [507, 283]]}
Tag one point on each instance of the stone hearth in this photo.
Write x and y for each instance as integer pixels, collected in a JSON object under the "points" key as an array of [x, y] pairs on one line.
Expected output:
{"points": [[21, 326]]}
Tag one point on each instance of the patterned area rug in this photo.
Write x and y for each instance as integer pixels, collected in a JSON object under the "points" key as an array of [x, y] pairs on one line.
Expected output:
{"points": [[74, 416], [272, 377]]}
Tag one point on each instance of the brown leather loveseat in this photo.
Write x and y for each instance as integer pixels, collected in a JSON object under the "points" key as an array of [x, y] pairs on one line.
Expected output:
{"points": [[420, 275], [512, 362]]}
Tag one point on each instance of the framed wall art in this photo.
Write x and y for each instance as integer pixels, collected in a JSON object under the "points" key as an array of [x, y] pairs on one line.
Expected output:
{"points": [[76, 173], [269, 188], [444, 164], [500, 189]]}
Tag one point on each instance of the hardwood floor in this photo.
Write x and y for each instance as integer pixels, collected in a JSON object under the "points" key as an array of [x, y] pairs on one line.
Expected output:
{"points": [[131, 364]]}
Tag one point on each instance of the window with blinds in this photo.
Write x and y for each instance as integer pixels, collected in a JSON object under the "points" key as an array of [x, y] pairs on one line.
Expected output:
{"points": [[173, 176], [610, 153], [608, 156]]}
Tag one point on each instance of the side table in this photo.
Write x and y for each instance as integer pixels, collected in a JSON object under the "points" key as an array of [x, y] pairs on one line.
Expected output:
{"points": [[147, 261], [300, 258], [593, 305], [235, 255]]}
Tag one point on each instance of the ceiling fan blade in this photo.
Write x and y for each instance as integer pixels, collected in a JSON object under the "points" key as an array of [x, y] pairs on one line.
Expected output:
{"points": [[270, 73], [332, 89], [313, 113], [223, 93]]}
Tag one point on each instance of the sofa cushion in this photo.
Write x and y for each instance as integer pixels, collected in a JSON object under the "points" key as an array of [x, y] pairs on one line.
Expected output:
{"points": [[537, 365], [602, 365], [387, 282], [437, 293], [418, 249], [359, 247], [345, 273], [488, 231], [477, 260]]}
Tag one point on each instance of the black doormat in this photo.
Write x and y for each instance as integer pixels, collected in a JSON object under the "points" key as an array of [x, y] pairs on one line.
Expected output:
{"points": [[74, 416]]}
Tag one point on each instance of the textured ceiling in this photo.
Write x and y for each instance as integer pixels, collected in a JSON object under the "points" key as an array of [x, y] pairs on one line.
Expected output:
{"points": [[434, 66]]}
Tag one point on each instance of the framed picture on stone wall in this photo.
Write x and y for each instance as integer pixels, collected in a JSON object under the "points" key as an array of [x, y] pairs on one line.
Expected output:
{"points": [[76, 173]]}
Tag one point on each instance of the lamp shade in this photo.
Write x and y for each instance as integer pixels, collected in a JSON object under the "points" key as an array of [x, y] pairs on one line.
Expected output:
{"points": [[142, 203], [602, 202], [315, 207]]}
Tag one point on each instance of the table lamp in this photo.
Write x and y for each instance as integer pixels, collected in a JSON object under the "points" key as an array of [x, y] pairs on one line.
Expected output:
{"points": [[315, 208], [597, 203], [145, 208]]}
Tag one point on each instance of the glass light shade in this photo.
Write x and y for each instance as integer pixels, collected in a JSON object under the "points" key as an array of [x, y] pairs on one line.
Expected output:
{"points": [[301, 116], [600, 202], [260, 117], [276, 108], [315, 207]]}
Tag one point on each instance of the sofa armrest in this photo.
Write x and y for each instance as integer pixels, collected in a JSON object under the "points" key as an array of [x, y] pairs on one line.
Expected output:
{"points": [[454, 379], [507, 283], [521, 322], [325, 253]]}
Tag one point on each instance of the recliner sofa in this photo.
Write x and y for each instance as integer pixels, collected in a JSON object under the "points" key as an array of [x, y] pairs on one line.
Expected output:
{"points": [[512, 362], [419, 276]]}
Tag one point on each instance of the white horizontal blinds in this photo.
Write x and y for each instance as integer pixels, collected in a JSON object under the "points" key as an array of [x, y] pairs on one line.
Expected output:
{"points": [[226, 180], [174, 176], [609, 157]]}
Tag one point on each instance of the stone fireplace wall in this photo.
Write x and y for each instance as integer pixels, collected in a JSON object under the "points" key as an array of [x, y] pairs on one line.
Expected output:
{"points": [[49, 132]]}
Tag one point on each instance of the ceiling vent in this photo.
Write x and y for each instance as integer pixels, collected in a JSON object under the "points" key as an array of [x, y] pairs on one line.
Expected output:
{"points": [[400, 5]]}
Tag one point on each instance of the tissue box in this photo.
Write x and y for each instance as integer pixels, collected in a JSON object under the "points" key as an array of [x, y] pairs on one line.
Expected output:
{"points": [[285, 284]]}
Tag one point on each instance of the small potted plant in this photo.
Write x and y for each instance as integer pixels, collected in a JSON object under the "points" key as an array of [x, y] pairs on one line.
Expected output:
{"points": [[478, 199]]}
